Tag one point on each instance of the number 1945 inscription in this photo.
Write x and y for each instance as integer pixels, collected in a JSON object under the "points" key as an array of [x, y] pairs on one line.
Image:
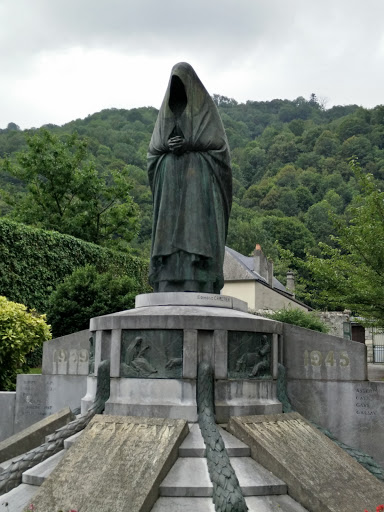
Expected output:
{"points": [[317, 358]]}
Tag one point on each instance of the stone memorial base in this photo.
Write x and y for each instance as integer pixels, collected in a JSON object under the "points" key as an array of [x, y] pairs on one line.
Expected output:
{"points": [[319, 474], [117, 464], [155, 350]]}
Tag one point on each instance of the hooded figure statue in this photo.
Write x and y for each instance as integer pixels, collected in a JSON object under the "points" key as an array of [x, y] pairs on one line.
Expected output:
{"points": [[190, 177]]}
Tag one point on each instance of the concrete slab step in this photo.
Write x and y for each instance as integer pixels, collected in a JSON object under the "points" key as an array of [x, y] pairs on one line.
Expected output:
{"points": [[71, 440], [283, 503], [189, 477], [193, 445], [17, 499], [255, 504], [37, 474], [255, 480]]}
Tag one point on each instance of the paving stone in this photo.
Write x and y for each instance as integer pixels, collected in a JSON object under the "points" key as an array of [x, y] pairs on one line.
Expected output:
{"points": [[193, 445], [38, 474], [17, 499]]}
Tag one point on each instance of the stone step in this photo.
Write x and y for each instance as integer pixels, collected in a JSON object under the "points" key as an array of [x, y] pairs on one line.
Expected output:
{"points": [[17, 499], [255, 504], [71, 440], [189, 477], [37, 474], [193, 445]]}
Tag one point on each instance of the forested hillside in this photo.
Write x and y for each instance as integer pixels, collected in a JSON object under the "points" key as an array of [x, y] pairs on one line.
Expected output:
{"points": [[290, 167]]}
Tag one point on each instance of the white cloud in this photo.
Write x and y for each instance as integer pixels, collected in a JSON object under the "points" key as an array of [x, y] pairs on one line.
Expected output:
{"points": [[61, 60]]}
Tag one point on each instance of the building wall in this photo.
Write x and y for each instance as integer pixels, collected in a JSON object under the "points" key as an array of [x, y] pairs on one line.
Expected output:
{"points": [[258, 296], [327, 384], [243, 290], [336, 319], [269, 299]]}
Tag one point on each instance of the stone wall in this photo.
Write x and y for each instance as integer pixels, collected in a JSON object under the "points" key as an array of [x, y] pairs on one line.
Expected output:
{"points": [[67, 355], [317, 356], [352, 411], [7, 416], [38, 396], [327, 384], [63, 383]]}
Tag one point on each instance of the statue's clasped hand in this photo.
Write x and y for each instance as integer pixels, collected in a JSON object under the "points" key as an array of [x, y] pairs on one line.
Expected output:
{"points": [[177, 145]]}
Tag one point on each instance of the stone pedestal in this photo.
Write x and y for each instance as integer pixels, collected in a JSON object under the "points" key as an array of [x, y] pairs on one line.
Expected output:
{"points": [[155, 350]]}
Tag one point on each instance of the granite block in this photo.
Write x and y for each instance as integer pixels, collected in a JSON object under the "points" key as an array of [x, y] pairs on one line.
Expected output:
{"points": [[118, 462], [319, 474], [34, 435]]}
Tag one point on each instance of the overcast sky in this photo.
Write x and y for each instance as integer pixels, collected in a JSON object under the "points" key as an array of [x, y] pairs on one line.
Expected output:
{"points": [[63, 60]]}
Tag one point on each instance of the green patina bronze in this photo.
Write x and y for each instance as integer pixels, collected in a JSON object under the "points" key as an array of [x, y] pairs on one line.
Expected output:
{"points": [[190, 177], [249, 355], [152, 353], [91, 364]]}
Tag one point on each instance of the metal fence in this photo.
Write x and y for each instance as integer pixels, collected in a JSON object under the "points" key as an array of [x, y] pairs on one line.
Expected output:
{"points": [[378, 353]]}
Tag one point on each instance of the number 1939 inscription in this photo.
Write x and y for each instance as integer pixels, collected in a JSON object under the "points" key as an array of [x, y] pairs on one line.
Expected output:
{"points": [[317, 358]]}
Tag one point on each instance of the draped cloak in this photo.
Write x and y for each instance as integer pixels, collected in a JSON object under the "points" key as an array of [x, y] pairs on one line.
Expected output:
{"points": [[192, 192]]}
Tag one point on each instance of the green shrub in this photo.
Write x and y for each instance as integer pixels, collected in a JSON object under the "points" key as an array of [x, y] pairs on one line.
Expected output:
{"points": [[35, 358], [34, 262], [300, 318], [86, 294], [21, 331]]}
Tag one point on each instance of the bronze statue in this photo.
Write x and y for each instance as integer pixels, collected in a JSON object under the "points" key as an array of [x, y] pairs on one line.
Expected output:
{"points": [[190, 177]]}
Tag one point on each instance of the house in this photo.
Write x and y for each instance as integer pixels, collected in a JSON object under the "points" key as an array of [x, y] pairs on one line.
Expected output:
{"points": [[250, 278]]}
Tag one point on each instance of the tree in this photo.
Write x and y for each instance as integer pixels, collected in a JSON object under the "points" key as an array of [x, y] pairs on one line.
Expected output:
{"points": [[351, 275], [318, 220], [65, 192], [87, 293]]}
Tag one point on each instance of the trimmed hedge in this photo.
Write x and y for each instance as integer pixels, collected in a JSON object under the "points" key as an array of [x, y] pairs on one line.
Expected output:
{"points": [[33, 262]]}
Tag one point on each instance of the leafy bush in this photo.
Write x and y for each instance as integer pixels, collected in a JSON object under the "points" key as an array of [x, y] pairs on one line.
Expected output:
{"points": [[34, 262], [35, 358], [300, 318], [21, 331], [86, 294]]}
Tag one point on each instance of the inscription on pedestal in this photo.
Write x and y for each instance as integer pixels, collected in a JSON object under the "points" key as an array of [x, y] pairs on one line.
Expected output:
{"points": [[154, 354], [32, 397], [249, 355], [366, 401]]}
